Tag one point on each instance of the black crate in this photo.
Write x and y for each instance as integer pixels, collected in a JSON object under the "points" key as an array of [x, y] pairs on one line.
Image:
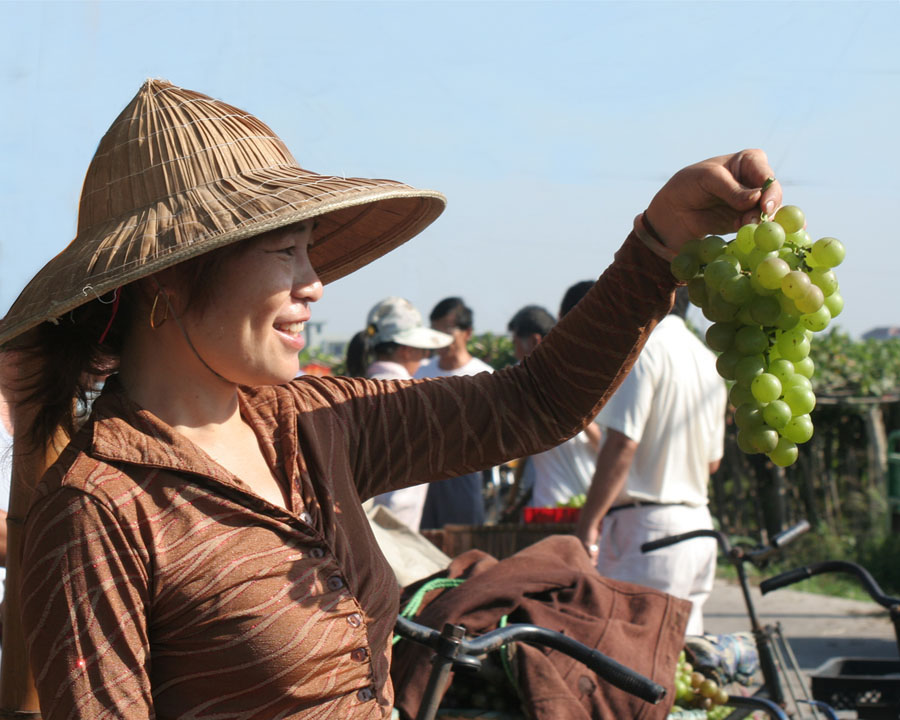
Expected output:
{"points": [[869, 686]]}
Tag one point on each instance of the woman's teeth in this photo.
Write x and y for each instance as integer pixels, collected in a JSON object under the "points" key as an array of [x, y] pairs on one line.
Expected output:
{"points": [[291, 328]]}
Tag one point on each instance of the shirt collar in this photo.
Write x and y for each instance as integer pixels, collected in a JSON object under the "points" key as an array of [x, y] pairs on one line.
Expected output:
{"points": [[124, 432]]}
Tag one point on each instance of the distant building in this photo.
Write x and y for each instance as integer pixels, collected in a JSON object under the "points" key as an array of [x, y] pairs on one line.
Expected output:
{"points": [[882, 333]]}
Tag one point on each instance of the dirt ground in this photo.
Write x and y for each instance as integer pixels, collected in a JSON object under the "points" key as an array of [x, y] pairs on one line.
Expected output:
{"points": [[818, 627]]}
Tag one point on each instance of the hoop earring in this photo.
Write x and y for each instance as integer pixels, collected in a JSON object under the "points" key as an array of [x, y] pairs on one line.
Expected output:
{"points": [[153, 321]]}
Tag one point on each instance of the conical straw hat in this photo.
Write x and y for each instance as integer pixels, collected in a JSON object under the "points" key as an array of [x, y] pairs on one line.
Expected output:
{"points": [[179, 174]]}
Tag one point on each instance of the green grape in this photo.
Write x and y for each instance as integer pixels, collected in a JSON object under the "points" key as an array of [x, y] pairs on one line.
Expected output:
{"points": [[697, 292], [795, 284], [798, 239], [720, 270], [764, 438], [769, 236], [717, 309], [737, 290], [745, 442], [726, 362], [801, 400], [787, 306], [824, 279], [791, 218], [818, 320], [781, 368], [691, 247], [785, 453], [744, 239], [793, 345], [710, 248], [805, 367], [720, 336], [748, 367], [798, 379], [835, 303], [787, 321], [798, 429], [790, 256], [770, 272], [811, 300], [828, 252], [748, 416], [739, 395], [685, 266], [765, 310], [757, 285], [777, 413], [766, 387], [757, 256], [750, 340]]}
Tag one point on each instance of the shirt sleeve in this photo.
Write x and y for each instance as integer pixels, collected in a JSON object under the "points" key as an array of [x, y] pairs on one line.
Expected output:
{"points": [[629, 408], [84, 595], [408, 432]]}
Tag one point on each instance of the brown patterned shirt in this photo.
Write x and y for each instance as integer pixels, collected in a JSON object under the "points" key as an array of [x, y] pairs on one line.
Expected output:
{"points": [[156, 584]]}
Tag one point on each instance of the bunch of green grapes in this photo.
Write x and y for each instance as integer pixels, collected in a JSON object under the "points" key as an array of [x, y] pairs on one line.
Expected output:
{"points": [[766, 292], [576, 501], [695, 690]]}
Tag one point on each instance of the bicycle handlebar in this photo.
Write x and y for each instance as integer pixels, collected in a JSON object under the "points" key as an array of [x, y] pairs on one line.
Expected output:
{"points": [[804, 573], [611, 671], [755, 556]]}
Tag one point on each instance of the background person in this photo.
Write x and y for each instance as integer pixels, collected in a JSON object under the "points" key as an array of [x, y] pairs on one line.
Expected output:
{"points": [[665, 429], [556, 475], [459, 500], [200, 546], [396, 342]]}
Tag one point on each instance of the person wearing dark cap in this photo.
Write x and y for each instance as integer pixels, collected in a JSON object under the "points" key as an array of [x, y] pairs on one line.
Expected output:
{"points": [[200, 548], [561, 473]]}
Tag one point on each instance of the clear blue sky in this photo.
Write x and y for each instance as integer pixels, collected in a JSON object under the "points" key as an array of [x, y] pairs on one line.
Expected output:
{"points": [[547, 125]]}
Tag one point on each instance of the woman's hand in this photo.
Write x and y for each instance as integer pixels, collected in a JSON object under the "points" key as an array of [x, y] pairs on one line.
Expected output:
{"points": [[715, 196]]}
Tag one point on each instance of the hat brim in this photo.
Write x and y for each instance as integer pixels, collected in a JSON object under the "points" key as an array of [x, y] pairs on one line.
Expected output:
{"points": [[359, 221], [422, 338]]}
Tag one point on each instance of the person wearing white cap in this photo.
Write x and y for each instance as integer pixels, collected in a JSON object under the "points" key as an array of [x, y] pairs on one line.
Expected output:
{"points": [[199, 548], [398, 340]]}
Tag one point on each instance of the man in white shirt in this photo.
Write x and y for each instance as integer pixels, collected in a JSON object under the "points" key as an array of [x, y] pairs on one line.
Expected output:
{"points": [[459, 500], [665, 431]]}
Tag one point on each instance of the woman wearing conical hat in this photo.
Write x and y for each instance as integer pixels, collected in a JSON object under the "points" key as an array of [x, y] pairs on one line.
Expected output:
{"points": [[199, 549]]}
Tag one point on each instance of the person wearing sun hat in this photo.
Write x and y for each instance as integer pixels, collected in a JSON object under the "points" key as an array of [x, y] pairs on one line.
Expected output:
{"points": [[398, 340], [199, 548]]}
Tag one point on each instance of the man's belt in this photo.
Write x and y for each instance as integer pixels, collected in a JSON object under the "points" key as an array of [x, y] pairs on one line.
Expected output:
{"points": [[641, 503]]}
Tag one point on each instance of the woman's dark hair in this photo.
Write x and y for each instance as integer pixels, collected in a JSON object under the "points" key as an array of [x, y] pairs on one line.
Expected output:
{"points": [[463, 317], [530, 320], [65, 361], [573, 296], [360, 351]]}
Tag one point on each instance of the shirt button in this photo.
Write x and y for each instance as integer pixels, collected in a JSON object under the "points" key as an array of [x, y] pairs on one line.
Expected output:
{"points": [[365, 694], [355, 620], [306, 517], [316, 552], [335, 583], [359, 654]]}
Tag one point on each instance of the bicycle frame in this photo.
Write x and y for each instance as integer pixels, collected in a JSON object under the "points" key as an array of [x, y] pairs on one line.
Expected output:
{"points": [[775, 656]]}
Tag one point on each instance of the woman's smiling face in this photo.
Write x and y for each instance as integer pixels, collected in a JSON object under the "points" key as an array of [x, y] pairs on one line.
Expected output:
{"points": [[251, 329]]}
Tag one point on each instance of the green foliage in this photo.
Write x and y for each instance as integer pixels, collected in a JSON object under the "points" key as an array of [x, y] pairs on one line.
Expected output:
{"points": [[496, 350], [338, 365], [858, 368]]}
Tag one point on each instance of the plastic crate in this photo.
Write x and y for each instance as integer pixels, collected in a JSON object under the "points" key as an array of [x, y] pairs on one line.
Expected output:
{"points": [[551, 514], [869, 686]]}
